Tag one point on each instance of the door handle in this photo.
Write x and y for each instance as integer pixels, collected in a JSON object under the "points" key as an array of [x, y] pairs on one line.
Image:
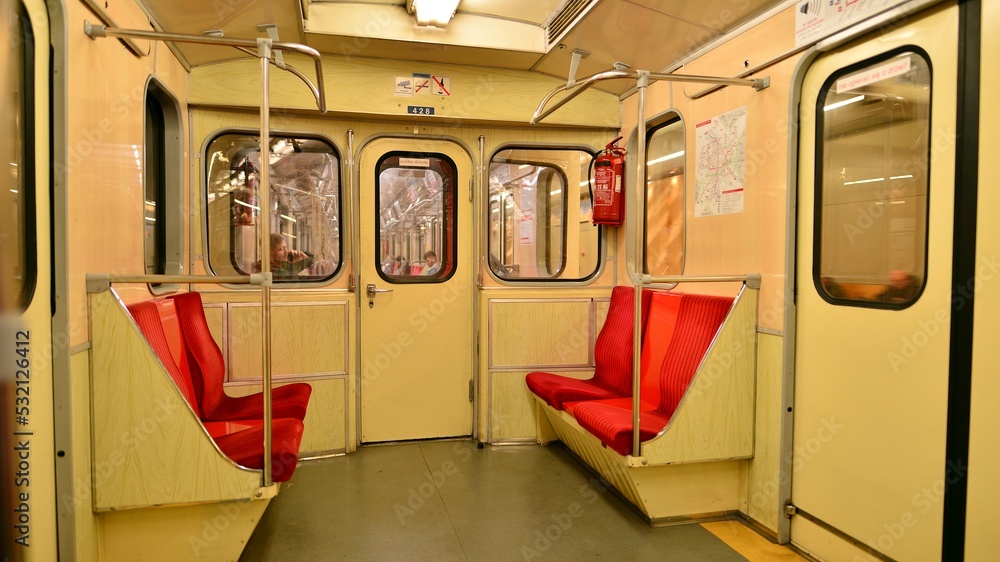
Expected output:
{"points": [[371, 290]]}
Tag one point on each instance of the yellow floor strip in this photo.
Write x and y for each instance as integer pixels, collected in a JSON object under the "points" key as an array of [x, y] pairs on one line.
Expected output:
{"points": [[748, 543]]}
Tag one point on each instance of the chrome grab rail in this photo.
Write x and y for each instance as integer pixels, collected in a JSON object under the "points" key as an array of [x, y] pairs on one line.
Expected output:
{"points": [[318, 89]]}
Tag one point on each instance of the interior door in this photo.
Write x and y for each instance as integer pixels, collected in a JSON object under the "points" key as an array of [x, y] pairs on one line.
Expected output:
{"points": [[873, 293], [416, 290]]}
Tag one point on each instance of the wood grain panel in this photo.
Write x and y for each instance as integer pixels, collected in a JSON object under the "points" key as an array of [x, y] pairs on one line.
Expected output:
{"points": [[149, 447], [715, 418], [217, 531], [490, 94], [512, 405], [764, 476], [84, 520], [326, 419], [305, 339], [540, 333], [663, 493]]}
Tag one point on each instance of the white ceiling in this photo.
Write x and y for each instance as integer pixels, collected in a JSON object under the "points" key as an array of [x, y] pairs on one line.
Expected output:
{"points": [[646, 34]]}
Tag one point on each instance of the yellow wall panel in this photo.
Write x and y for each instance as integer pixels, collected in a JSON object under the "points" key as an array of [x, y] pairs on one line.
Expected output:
{"points": [[512, 412], [85, 522], [540, 333], [491, 94], [763, 480], [305, 340], [326, 421]]}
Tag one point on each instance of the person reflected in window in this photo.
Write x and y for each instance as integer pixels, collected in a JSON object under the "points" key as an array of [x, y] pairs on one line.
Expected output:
{"points": [[431, 264], [285, 262], [902, 287]]}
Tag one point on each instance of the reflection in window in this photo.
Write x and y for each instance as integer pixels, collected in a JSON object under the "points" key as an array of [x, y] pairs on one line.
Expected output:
{"points": [[664, 251], [872, 182], [155, 188], [17, 225], [304, 213], [416, 213], [539, 210]]}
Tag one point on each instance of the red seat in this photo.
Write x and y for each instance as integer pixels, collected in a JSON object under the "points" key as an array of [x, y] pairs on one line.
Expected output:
{"points": [[208, 371], [242, 441], [612, 358], [698, 321]]}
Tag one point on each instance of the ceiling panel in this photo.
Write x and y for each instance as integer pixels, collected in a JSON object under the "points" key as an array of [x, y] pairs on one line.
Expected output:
{"points": [[718, 15], [629, 33]]}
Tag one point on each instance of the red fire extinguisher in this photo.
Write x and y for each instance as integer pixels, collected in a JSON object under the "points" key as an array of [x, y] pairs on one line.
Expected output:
{"points": [[608, 197]]}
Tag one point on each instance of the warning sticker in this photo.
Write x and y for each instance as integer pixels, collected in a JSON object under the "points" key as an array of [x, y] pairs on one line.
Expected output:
{"points": [[404, 86], [441, 85]]}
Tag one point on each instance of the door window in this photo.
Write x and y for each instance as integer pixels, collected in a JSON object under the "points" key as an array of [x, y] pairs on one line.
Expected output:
{"points": [[872, 175], [416, 217]]}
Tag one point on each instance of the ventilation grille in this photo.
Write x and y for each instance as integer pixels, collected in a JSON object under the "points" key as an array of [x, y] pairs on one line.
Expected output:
{"points": [[563, 18]]}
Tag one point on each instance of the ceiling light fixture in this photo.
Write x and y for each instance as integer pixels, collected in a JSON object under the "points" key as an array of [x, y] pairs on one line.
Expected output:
{"points": [[432, 13]]}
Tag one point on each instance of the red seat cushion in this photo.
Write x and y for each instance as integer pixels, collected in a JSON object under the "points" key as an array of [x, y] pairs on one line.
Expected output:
{"points": [[208, 373], [246, 447], [623, 403], [698, 320], [612, 358]]}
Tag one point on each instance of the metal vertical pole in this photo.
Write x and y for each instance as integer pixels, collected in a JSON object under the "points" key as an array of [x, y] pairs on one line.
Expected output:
{"points": [[642, 82], [264, 52]]}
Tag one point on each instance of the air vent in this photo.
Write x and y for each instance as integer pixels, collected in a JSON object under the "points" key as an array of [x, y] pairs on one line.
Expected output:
{"points": [[564, 18]]}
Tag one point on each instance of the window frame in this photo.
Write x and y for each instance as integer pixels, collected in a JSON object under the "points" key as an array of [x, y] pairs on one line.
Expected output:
{"points": [[818, 169], [487, 224], [660, 121], [450, 188], [279, 282], [170, 200]]}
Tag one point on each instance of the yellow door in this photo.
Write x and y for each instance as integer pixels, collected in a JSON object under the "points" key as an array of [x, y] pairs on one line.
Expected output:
{"points": [[416, 290], [873, 293]]}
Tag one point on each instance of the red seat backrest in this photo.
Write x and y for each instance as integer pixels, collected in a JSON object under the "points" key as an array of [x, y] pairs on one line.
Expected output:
{"points": [[208, 366], [698, 320], [660, 326], [149, 317], [613, 348]]}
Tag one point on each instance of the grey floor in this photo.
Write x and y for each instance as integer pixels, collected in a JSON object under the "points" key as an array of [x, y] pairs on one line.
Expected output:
{"points": [[448, 500]]}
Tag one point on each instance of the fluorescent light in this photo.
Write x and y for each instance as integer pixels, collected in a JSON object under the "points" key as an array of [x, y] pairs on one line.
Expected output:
{"points": [[907, 176], [869, 180], [289, 218], [238, 202], [843, 103], [432, 13], [584, 183], [556, 192], [677, 154]]}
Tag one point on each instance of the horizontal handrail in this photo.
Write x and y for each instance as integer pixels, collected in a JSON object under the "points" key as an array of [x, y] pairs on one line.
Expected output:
{"points": [[751, 279], [582, 85], [100, 282], [318, 89]]}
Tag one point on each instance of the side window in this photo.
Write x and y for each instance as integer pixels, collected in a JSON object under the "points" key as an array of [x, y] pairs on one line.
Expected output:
{"points": [[873, 157], [305, 211], [417, 217], [17, 198], [539, 215], [163, 207], [664, 221]]}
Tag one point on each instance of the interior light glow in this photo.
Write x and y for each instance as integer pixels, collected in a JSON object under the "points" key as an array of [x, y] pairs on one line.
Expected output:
{"points": [[907, 176], [671, 156], [556, 192], [869, 180], [842, 103], [432, 13], [238, 202]]}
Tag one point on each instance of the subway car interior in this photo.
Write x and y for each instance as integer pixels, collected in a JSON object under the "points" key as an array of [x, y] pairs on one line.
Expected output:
{"points": [[499, 280]]}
